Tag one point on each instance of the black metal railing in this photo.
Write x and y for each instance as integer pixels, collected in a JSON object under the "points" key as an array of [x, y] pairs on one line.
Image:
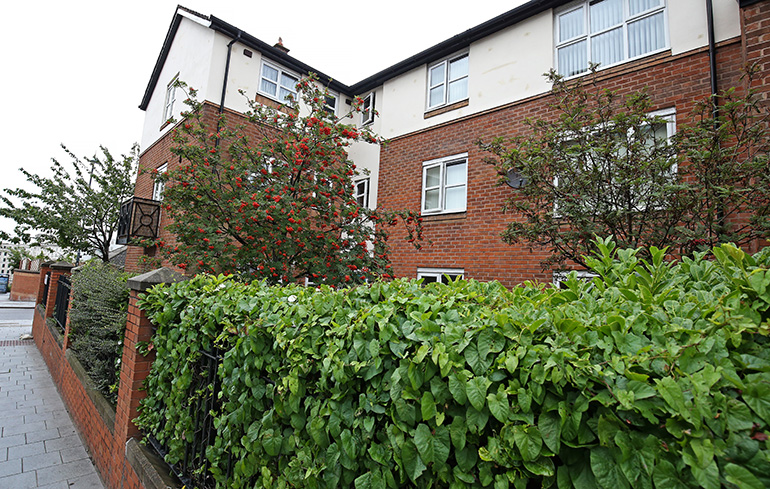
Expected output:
{"points": [[62, 304], [193, 470], [46, 286]]}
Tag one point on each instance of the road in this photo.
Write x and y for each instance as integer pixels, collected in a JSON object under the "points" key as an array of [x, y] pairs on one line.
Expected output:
{"points": [[16, 315]]}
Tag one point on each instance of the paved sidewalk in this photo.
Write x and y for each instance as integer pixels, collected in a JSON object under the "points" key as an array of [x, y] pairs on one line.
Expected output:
{"points": [[39, 445], [7, 303]]}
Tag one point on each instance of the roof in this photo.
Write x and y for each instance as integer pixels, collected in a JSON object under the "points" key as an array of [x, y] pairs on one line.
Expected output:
{"points": [[440, 50], [458, 42]]}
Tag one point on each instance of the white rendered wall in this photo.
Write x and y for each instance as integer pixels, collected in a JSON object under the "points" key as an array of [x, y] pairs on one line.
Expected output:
{"points": [[509, 65], [688, 28], [190, 57]]}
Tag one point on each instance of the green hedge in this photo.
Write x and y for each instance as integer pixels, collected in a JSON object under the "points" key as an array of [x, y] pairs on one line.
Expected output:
{"points": [[653, 375], [98, 322]]}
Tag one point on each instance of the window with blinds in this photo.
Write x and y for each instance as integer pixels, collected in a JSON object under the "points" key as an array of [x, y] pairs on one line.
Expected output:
{"points": [[608, 32]]}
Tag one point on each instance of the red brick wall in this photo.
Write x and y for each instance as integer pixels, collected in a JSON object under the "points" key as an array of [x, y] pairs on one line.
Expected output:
{"points": [[107, 449], [25, 284], [755, 25], [471, 240], [156, 155]]}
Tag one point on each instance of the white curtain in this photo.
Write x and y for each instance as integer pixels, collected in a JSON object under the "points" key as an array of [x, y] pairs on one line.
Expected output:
{"points": [[571, 25], [606, 14], [639, 6], [573, 59], [646, 35]]}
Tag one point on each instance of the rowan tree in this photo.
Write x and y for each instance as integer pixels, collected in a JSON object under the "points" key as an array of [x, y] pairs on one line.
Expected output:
{"points": [[602, 164], [273, 198], [77, 206]]}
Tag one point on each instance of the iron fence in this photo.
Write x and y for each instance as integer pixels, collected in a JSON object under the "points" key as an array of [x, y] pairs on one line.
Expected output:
{"points": [[62, 304], [193, 470]]}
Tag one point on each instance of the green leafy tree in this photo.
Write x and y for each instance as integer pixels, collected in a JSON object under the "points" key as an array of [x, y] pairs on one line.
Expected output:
{"points": [[603, 165], [77, 206], [728, 171], [274, 199]]}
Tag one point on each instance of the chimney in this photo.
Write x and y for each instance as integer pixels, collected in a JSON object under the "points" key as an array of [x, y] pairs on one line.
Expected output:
{"points": [[279, 46]]}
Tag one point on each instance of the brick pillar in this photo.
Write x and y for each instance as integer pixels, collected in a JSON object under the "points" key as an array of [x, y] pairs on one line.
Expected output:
{"points": [[49, 274], [44, 269], [134, 366], [57, 269]]}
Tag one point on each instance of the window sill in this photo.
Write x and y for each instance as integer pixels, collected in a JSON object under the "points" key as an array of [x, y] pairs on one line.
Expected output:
{"points": [[269, 102], [446, 108], [449, 216], [165, 124]]}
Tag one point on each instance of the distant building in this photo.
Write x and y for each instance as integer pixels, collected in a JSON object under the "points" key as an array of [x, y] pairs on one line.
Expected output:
{"points": [[31, 257], [6, 266]]}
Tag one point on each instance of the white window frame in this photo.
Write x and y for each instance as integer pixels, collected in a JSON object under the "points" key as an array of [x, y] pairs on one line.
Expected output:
{"points": [[361, 192], [367, 109], [281, 71], [440, 274], [669, 115], [168, 105], [158, 186], [331, 110], [445, 65], [561, 276], [587, 35], [443, 163]]}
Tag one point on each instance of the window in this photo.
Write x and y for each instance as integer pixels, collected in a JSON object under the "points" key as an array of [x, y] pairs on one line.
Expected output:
{"points": [[448, 82], [330, 103], [440, 275], [444, 184], [367, 109], [560, 277], [277, 83], [361, 192], [168, 108], [635, 193], [608, 32], [159, 185]]}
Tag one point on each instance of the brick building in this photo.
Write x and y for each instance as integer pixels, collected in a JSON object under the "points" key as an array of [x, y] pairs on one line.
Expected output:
{"points": [[480, 84]]}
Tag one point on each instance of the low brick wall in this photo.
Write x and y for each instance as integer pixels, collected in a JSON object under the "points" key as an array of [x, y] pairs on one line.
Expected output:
{"points": [[122, 462], [24, 286]]}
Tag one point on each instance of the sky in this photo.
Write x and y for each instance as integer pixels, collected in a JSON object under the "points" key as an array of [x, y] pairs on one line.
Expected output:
{"points": [[74, 72]]}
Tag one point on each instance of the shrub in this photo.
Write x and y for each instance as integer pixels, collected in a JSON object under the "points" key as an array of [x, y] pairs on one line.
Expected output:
{"points": [[98, 322], [652, 375]]}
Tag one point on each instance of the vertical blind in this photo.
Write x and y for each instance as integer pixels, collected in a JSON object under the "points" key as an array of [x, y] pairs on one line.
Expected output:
{"points": [[607, 32]]}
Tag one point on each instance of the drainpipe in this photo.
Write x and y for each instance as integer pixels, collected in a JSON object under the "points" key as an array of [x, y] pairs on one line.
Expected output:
{"points": [[714, 100], [712, 53], [224, 80]]}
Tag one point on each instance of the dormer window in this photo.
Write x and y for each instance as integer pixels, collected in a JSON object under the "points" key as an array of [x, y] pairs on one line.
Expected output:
{"points": [[277, 83]]}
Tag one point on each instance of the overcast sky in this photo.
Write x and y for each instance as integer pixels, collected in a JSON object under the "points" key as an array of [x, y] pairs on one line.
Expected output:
{"points": [[74, 72]]}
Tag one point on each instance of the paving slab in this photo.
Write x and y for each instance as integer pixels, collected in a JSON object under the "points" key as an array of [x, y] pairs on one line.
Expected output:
{"points": [[39, 445]]}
